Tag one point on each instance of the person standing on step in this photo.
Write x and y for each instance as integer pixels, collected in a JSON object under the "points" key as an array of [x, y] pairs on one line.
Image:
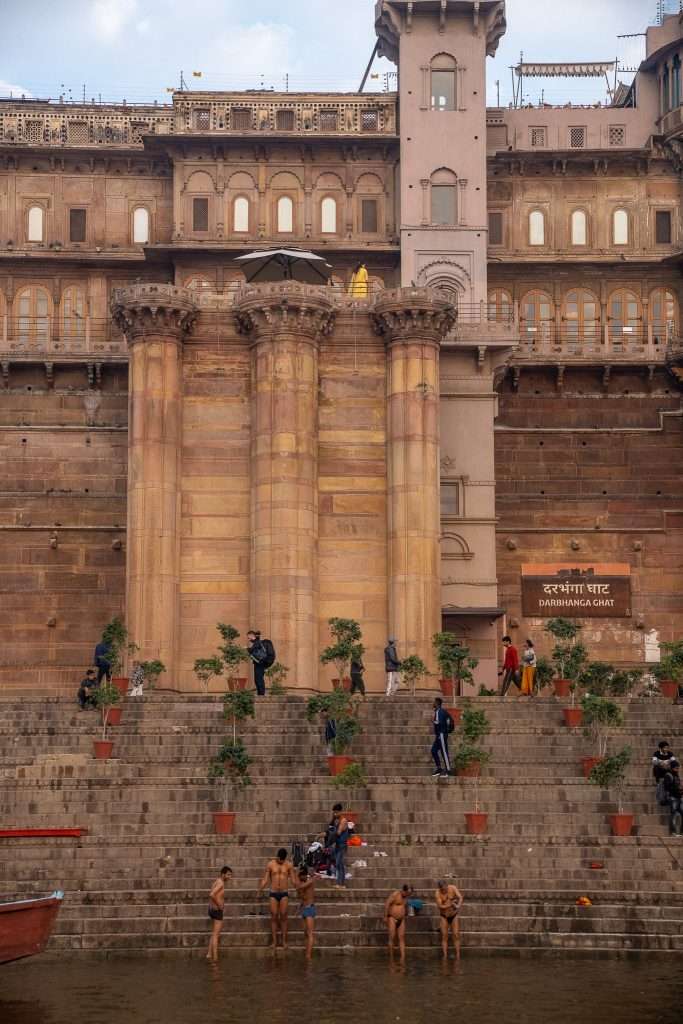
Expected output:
{"points": [[392, 667], [262, 653], [528, 669], [216, 909], [278, 877], [341, 843], [449, 900], [102, 661], [305, 890], [510, 668], [443, 726], [395, 910], [137, 680], [357, 669]]}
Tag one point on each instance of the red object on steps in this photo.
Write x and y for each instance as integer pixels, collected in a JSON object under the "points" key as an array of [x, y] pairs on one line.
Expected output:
{"points": [[38, 833]]}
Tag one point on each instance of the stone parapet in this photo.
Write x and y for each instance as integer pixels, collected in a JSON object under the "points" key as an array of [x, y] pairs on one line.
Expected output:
{"points": [[285, 307], [152, 310], [411, 314]]}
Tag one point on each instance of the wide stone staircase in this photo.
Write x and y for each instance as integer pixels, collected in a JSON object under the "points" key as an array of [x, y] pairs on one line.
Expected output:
{"points": [[138, 879]]}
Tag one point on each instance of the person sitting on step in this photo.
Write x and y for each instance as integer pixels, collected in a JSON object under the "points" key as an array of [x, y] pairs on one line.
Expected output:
{"points": [[86, 690]]}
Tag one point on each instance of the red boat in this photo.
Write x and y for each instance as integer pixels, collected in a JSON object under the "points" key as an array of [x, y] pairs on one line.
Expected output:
{"points": [[26, 925]]}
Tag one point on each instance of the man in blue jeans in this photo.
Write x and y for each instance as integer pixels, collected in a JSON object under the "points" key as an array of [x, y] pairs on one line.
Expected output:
{"points": [[340, 845], [442, 727]]}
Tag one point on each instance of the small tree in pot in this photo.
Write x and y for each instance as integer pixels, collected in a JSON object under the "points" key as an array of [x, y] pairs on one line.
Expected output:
{"points": [[468, 757], [610, 774], [339, 706], [151, 671], [232, 761], [353, 779], [117, 638], [413, 669], [276, 676], [544, 674], [206, 669], [106, 696], [233, 655], [568, 654], [669, 671], [455, 662], [346, 634], [599, 716]]}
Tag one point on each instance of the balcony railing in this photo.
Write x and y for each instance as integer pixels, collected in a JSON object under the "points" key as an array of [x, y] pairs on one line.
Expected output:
{"points": [[546, 341], [42, 337], [46, 124]]}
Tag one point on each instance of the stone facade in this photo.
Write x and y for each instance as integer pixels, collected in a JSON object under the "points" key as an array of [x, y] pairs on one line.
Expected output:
{"points": [[287, 448]]}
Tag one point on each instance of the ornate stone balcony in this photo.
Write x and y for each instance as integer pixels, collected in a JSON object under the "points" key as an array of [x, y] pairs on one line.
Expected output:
{"points": [[35, 123]]}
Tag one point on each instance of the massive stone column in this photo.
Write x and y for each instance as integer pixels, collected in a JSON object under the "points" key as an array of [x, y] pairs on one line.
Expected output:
{"points": [[155, 320], [285, 322], [414, 322]]}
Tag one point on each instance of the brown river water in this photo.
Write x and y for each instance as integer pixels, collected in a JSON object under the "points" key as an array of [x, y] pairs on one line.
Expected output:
{"points": [[351, 990]]}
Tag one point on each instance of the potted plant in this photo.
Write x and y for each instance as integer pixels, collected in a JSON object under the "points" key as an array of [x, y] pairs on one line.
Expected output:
{"points": [[568, 654], [469, 759], [276, 676], [233, 655], [600, 714], [544, 674], [106, 695], [346, 634], [115, 635], [455, 662], [610, 773], [352, 778], [476, 821], [669, 671], [206, 669], [232, 761], [151, 671], [339, 706], [413, 669]]}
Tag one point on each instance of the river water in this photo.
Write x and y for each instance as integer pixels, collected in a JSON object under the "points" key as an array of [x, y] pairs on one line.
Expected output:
{"points": [[332, 990]]}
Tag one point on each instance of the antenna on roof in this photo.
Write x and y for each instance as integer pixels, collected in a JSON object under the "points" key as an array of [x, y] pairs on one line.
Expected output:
{"points": [[367, 70]]}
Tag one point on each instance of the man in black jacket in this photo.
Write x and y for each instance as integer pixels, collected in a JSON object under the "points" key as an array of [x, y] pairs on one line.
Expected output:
{"points": [[442, 722], [392, 667], [262, 653]]}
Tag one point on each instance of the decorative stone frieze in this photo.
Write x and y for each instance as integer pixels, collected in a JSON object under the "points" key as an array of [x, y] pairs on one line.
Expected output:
{"points": [[153, 309], [285, 307], [413, 314]]}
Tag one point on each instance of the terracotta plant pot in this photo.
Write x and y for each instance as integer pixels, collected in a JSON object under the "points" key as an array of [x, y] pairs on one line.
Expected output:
{"points": [[562, 687], [572, 717], [102, 749], [121, 684], [588, 764], [476, 823], [338, 762], [669, 688], [456, 714], [473, 771], [447, 687], [346, 684], [114, 716], [621, 824], [223, 822], [237, 684]]}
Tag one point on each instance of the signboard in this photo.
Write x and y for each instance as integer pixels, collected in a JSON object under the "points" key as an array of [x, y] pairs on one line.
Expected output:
{"points": [[576, 591]]}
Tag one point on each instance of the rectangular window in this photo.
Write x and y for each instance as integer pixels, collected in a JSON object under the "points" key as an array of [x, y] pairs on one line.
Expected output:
{"points": [[616, 135], [329, 120], [450, 505], [202, 119], [443, 204], [443, 90], [284, 120], [369, 218], [77, 225], [369, 121], [577, 138], [241, 120], [663, 227], [537, 138], [495, 228], [200, 214]]}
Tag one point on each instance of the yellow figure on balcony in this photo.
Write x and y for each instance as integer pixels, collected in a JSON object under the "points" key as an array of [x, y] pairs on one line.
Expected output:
{"points": [[359, 286]]}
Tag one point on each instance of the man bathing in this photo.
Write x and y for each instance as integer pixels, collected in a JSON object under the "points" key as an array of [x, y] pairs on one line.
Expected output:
{"points": [[449, 900], [305, 890], [216, 906], [278, 877], [395, 910]]}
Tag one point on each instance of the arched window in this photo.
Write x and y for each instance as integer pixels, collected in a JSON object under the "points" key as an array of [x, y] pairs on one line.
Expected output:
{"points": [[620, 227], [36, 220], [73, 314], [537, 317], [579, 228], [240, 214], [32, 312], [443, 197], [140, 225], [537, 227], [581, 316], [663, 315], [443, 70], [328, 216], [500, 305], [625, 315], [285, 215]]}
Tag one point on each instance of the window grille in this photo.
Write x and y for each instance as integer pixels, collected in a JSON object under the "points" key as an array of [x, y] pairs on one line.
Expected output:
{"points": [[663, 227], [369, 218], [495, 228], [241, 120], [34, 131], [538, 138], [200, 214], [77, 225], [369, 121], [77, 131], [285, 120], [329, 121], [616, 135], [577, 138], [202, 119]]}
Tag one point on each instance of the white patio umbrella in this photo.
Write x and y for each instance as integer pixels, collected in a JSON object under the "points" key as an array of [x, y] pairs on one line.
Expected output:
{"points": [[285, 265]]}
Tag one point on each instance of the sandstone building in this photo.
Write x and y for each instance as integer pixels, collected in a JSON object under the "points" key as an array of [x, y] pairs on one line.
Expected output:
{"points": [[504, 406]]}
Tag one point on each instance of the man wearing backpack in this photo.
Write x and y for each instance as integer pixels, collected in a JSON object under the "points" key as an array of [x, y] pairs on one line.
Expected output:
{"points": [[443, 727], [262, 653]]}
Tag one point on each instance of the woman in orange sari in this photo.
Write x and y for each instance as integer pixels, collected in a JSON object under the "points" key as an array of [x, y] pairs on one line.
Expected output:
{"points": [[528, 669]]}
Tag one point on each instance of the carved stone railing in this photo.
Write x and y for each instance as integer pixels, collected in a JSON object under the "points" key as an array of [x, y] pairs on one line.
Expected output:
{"points": [[28, 123], [27, 338]]}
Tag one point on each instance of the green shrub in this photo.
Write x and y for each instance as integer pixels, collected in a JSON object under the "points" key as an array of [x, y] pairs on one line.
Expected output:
{"points": [[610, 773], [413, 669], [351, 777], [231, 765], [206, 668], [599, 716], [466, 754], [346, 634], [475, 724]]}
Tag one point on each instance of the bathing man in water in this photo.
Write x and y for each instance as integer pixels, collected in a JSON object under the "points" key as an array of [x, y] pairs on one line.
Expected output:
{"points": [[305, 890], [395, 910], [449, 900], [278, 876], [216, 904]]}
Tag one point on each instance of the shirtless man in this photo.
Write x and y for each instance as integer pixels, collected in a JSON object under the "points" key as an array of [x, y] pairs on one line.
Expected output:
{"points": [[278, 876], [449, 900], [395, 916], [305, 890], [216, 904]]}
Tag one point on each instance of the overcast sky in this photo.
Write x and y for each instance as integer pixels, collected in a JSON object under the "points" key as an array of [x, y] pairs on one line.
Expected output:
{"points": [[135, 49]]}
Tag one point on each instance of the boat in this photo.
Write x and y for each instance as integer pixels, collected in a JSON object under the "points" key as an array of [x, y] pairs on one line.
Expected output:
{"points": [[26, 925]]}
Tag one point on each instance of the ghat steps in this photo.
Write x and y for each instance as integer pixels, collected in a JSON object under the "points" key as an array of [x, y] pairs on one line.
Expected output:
{"points": [[138, 880]]}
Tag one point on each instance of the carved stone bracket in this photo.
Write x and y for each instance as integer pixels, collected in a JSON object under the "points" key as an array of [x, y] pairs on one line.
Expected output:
{"points": [[153, 309], [406, 314], [285, 307]]}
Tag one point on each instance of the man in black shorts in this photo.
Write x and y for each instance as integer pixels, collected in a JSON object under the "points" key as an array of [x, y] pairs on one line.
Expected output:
{"points": [[278, 877], [449, 900], [216, 905]]}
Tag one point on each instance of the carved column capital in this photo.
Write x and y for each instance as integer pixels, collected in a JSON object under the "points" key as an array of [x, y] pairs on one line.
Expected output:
{"points": [[285, 307], [153, 309], [409, 314]]}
